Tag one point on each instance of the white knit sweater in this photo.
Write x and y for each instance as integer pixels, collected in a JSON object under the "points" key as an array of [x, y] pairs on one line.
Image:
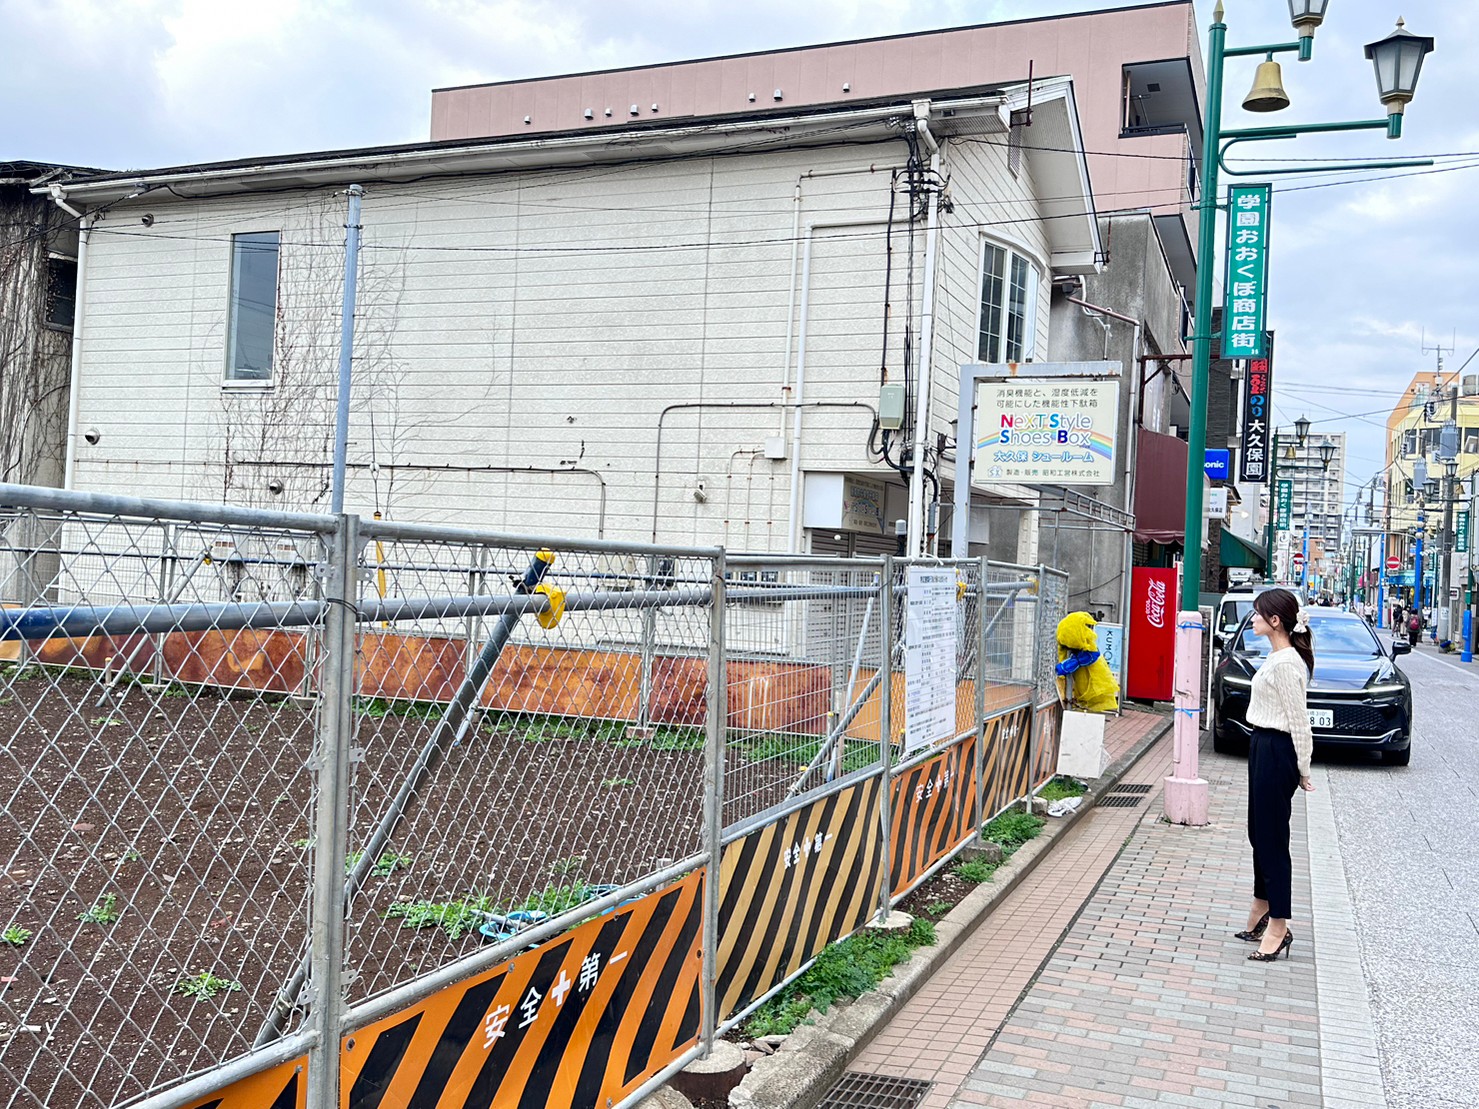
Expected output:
{"points": [[1278, 702]]}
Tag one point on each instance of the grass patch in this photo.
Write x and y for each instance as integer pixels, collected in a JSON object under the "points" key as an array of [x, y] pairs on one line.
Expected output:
{"points": [[456, 918], [104, 912], [974, 870], [615, 783], [1061, 787], [204, 986], [845, 969], [1012, 829], [16, 936], [384, 867]]}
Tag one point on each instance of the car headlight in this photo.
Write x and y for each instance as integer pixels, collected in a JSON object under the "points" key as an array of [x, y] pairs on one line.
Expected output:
{"points": [[1386, 687], [1238, 682]]}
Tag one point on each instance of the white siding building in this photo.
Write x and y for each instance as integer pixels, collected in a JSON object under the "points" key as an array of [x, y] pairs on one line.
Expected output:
{"points": [[675, 333]]}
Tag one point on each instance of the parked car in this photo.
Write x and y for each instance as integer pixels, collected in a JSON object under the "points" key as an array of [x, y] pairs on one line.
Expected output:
{"points": [[1234, 607], [1359, 699]]}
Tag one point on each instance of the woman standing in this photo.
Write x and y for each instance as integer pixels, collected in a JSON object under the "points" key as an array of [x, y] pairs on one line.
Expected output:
{"points": [[1278, 764]]}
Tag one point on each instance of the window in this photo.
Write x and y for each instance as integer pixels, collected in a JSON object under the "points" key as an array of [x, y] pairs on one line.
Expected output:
{"points": [[253, 317], [1008, 306], [61, 291]]}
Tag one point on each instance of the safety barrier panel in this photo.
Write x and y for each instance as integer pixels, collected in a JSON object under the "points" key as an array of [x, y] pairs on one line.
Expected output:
{"points": [[317, 810]]}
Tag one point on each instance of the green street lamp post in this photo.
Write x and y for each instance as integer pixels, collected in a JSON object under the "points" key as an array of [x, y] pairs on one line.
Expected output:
{"points": [[1398, 61]]}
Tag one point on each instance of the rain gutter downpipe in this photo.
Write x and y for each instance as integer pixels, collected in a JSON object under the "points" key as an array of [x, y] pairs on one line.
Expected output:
{"points": [[926, 364], [84, 233]]}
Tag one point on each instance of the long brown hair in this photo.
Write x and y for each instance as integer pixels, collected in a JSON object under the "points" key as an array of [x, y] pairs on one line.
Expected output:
{"points": [[1285, 605]]}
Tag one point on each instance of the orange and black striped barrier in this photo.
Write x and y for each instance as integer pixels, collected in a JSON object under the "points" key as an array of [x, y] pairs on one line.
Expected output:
{"points": [[933, 812]]}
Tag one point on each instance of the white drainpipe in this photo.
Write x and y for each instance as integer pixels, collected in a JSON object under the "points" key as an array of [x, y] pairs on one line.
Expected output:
{"points": [[926, 362], [84, 233]]}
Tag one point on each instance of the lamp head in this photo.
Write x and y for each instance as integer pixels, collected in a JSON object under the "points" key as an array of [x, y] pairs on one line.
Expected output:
{"points": [[1398, 60], [1302, 429], [1267, 93], [1306, 15], [1327, 454]]}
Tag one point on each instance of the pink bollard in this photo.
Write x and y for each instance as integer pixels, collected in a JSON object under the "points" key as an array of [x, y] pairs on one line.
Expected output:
{"points": [[1186, 793]]}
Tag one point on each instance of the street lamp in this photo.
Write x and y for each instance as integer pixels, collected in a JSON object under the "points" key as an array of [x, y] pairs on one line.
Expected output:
{"points": [[1398, 59], [1302, 429], [1185, 792]]}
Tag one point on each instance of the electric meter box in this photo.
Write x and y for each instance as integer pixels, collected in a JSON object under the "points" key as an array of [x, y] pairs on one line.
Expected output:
{"points": [[891, 407]]}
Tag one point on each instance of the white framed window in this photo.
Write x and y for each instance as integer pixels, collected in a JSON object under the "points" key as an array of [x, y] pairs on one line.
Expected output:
{"points": [[251, 327], [1008, 319]]}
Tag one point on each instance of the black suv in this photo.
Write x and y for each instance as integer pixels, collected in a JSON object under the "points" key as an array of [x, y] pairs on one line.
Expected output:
{"points": [[1358, 698]]}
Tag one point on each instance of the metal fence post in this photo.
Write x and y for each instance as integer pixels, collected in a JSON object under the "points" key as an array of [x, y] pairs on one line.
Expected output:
{"points": [[717, 726], [980, 814], [885, 727], [1037, 680], [648, 649], [331, 761], [168, 559]]}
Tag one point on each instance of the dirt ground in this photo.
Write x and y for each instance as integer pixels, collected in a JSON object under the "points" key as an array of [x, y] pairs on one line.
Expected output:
{"points": [[190, 808]]}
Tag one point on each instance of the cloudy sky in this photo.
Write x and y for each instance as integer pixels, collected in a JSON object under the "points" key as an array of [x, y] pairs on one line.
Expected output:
{"points": [[1362, 268]]}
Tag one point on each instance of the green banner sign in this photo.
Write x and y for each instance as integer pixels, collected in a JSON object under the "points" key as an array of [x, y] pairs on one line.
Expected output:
{"points": [[1285, 503], [1461, 532], [1244, 309]]}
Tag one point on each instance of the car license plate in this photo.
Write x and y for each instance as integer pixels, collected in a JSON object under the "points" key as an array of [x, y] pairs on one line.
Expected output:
{"points": [[1322, 718]]}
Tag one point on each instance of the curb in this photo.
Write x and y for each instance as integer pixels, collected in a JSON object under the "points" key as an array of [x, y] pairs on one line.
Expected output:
{"points": [[813, 1057]]}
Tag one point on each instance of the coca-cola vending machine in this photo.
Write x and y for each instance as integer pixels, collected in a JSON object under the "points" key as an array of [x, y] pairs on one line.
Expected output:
{"points": [[1154, 594]]}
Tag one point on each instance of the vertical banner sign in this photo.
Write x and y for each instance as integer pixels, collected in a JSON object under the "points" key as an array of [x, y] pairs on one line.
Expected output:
{"points": [[1152, 633], [1254, 453], [1112, 646], [1461, 532], [1243, 311], [1286, 503], [929, 656]]}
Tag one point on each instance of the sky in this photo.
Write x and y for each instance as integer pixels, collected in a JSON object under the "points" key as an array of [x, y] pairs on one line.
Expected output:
{"points": [[1365, 272]]}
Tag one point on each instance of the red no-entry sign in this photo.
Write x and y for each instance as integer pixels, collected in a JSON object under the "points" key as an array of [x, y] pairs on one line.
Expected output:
{"points": [[1297, 560], [1394, 564]]}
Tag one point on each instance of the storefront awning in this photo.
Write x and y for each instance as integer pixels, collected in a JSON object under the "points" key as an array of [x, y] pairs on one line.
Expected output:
{"points": [[1160, 488], [1233, 550]]}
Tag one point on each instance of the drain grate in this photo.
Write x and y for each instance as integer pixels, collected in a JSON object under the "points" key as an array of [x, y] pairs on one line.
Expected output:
{"points": [[1135, 788], [1120, 801], [856, 1090]]}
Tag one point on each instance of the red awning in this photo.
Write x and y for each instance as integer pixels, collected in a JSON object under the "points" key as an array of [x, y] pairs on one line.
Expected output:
{"points": [[1160, 488]]}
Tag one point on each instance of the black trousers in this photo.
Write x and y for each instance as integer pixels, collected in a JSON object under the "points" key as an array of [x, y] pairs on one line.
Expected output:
{"points": [[1273, 776]]}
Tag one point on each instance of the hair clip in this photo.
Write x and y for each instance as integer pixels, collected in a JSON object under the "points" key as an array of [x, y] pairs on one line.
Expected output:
{"points": [[1302, 622]]}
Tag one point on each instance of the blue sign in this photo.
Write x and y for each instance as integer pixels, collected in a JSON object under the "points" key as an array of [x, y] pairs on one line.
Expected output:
{"points": [[1218, 465], [1111, 639]]}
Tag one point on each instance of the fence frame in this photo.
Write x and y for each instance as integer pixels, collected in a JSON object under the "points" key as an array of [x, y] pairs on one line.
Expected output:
{"points": [[354, 549]]}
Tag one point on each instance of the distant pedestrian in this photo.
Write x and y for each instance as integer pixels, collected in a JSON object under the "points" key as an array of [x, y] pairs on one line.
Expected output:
{"points": [[1397, 614], [1279, 753], [1414, 628]]}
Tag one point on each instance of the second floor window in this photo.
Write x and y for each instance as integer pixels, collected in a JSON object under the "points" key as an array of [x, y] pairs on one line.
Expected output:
{"points": [[251, 328], [1008, 327]]}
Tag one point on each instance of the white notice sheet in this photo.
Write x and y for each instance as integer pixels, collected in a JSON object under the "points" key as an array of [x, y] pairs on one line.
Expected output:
{"points": [[929, 656]]}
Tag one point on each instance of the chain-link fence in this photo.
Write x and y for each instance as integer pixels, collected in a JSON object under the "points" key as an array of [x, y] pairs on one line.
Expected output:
{"points": [[282, 790]]}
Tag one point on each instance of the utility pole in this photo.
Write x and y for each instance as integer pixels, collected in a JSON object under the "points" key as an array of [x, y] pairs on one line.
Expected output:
{"points": [[346, 348]]}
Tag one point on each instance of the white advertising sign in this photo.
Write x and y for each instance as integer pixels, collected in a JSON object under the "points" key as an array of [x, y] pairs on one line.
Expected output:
{"points": [[1058, 432], [1111, 639], [863, 504], [1217, 503], [929, 657]]}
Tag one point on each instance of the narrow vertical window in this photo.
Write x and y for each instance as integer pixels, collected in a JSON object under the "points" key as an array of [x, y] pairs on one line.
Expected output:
{"points": [[1008, 328], [252, 325], [993, 280]]}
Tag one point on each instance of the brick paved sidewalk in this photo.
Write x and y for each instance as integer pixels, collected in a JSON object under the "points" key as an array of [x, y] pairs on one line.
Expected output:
{"points": [[1110, 976]]}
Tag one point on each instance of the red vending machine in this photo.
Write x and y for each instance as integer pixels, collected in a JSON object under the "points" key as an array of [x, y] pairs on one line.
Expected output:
{"points": [[1154, 595]]}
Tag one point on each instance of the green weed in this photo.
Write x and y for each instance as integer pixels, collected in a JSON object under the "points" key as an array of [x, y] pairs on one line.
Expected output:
{"points": [[384, 867], [613, 783], [104, 912], [16, 936], [204, 986], [974, 870], [937, 909], [1061, 787], [779, 745], [456, 918], [1012, 830], [845, 969]]}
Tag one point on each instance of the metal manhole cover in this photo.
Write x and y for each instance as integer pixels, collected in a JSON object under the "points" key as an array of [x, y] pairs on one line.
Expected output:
{"points": [[1120, 801], [855, 1090], [1138, 788]]}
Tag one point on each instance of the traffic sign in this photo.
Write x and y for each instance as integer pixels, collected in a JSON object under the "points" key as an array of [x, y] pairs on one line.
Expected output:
{"points": [[1298, 560], [1394, 564]]}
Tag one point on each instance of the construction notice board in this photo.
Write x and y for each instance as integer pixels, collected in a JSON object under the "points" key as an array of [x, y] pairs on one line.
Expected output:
{"points": [[929, 656]]}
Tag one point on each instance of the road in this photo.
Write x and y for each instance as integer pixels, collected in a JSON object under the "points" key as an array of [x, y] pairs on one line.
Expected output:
{"points": [[1410, 841]]}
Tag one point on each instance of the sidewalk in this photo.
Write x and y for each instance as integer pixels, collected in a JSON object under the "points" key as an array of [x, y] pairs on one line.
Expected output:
{"points": [[1110, 976]]}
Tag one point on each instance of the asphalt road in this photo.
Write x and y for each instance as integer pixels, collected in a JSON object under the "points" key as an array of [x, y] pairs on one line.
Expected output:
{"points": [[1409, 837]]}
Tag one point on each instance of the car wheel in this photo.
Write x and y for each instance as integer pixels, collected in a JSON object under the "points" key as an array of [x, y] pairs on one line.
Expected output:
{"points": [[1397, 758]]}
